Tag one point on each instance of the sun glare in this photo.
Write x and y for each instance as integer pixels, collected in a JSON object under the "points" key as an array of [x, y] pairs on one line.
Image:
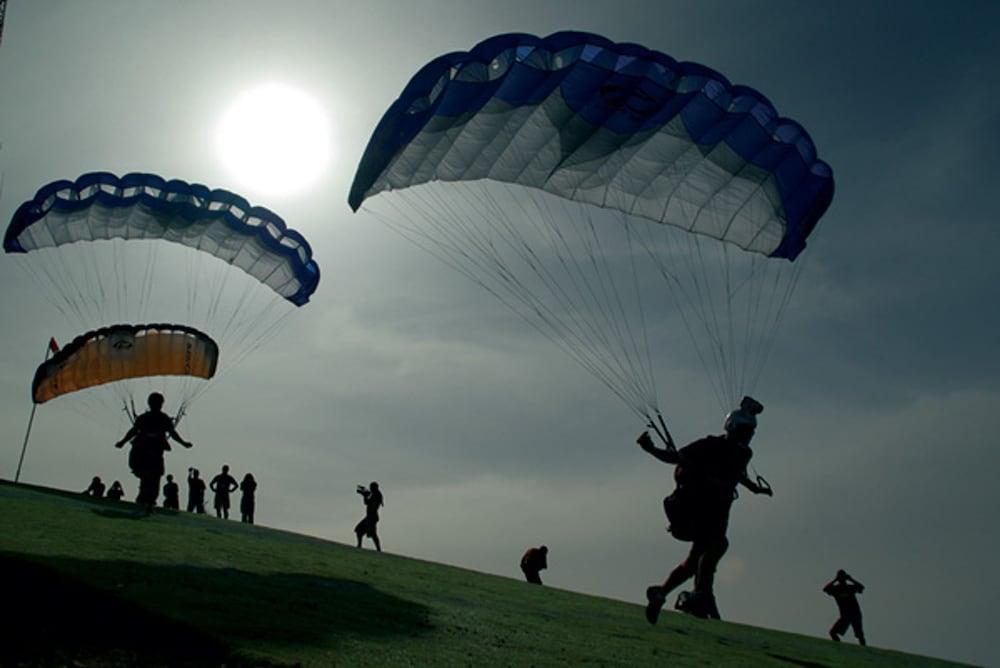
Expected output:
{"points": [[275, 139]]}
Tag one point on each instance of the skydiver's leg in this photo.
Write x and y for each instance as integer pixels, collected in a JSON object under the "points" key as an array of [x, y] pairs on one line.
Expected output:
{"points": [[704, 578], [839, 628], [657, 596], [859, 631]]}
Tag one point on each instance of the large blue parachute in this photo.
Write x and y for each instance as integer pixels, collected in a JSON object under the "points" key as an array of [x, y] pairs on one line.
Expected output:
{"points": [[614, 125], [144, 206], [558, 171]]}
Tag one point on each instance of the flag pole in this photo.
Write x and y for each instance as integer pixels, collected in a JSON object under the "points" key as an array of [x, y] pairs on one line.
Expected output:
{"points": [[31, 420]]}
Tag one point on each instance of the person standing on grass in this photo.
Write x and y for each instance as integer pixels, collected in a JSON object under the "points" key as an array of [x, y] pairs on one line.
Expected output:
{"points": [[96, 488], [844, 589], [369, 525], [534, 561], [247, 501], [196, 492], [222, 485], [171, 494], [115, 492], [148, 435]]}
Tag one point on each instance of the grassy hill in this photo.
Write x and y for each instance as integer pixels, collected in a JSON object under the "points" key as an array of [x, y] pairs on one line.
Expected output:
{"points": [[93, 583]]}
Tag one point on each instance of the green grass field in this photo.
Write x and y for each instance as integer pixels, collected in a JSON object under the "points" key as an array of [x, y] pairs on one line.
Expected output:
{"points": [[91, 583]]}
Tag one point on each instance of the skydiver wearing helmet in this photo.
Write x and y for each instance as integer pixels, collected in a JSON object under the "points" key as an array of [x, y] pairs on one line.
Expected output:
{"points": [[707, 473]]}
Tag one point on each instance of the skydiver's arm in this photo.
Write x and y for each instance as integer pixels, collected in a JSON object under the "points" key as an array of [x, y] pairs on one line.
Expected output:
{"points": [[177, 437], [668, 455], [133, 430], [755, 487]]}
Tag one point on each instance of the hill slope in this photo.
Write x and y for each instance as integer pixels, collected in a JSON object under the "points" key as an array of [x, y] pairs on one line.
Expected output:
{"points": [[93, 582]]}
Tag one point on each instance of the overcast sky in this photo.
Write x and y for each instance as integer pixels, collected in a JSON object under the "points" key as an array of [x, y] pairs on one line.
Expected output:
{"points": [[881, 421]]}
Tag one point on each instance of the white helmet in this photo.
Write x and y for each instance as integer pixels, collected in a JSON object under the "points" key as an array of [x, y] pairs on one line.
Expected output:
{"points": [[740, 419]]}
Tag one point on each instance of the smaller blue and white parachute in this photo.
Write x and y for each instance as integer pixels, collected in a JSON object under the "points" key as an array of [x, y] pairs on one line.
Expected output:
{"points": [[138, 248]]}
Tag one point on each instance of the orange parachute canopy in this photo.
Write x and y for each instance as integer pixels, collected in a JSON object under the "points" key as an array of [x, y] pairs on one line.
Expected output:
{"points": [[121, 352]]}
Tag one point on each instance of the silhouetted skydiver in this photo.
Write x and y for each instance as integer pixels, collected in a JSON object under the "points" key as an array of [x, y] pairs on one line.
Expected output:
{"points": [[222, 484], [96, 488], [534, 561], [115, 492], [171, 494], [844, 590], [196, 492], [369, 525], [708, 471], [248, 486], [149, 435]]}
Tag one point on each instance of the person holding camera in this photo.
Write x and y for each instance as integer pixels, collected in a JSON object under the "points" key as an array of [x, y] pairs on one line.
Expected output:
{"points": [[844, 589], [368, 526], [707, 473]]}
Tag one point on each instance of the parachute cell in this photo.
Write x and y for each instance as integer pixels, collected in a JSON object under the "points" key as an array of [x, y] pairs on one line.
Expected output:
{"points": [[121, 352]]}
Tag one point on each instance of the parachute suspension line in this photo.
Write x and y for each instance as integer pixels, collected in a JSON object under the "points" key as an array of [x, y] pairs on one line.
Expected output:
{"points": [[558, 331], [699, 304], [41, 276], [59, 277], [583, 338], [752, 307], [730, 326], [461, 255], [713, 309], [654, 394], [594, 328], [687, 305], [149, 280], [779, 315], [116, 260], [630, 349], [640, 369]]}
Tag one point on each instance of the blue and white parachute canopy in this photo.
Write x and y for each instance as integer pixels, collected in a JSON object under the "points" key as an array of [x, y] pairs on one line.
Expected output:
{"points": [[614, 125], [144, 206]]}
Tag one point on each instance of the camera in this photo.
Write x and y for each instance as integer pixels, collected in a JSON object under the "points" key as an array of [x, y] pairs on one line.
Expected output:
{"points": [[361, 489]]}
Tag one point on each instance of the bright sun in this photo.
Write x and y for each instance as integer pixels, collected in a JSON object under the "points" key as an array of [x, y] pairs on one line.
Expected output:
{"points": [[275, 139]]}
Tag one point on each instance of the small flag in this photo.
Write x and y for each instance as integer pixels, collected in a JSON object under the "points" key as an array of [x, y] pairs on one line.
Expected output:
{"points": [[53, 346]]}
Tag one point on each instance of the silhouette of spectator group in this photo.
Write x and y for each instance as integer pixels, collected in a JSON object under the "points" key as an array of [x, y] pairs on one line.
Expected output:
{"points": [[222, 485]]}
